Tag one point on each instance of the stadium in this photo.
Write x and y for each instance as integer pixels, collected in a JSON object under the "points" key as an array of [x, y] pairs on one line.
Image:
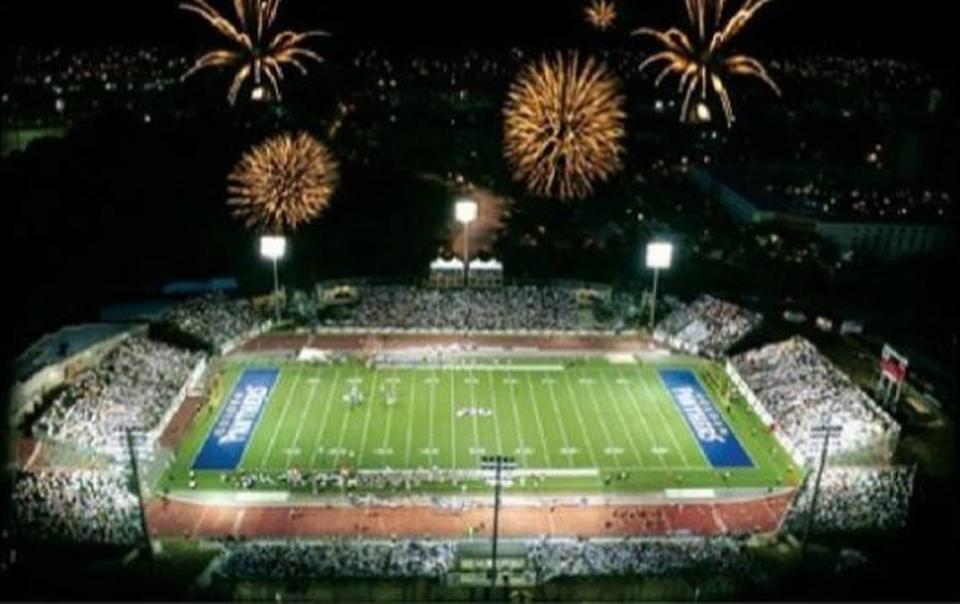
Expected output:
{"points": [[386, 427], [566, 300]]}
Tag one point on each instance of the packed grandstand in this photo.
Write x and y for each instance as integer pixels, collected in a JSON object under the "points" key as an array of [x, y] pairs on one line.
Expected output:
{"points": [[140, 379]]}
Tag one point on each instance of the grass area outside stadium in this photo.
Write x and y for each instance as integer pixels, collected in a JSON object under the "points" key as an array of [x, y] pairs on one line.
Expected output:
{"points": [[582, 426]]}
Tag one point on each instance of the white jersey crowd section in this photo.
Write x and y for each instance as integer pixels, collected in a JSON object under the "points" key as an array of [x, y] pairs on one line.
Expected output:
{"points": [[802, 394]]}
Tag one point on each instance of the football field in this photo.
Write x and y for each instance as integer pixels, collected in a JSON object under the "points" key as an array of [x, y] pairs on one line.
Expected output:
{"points": [[580, 425]]}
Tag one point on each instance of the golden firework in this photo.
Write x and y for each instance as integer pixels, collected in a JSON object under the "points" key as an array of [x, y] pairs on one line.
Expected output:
{"points": [[601, 13], [701, 59], [282, 183], [563, 126], [258, 53]]}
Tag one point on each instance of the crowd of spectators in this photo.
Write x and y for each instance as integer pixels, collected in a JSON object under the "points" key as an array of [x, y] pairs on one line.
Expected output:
{"points": [[504, 308], [856, 498], [215, 319], [707, 326], [132, 387], [805, 395], [550, 558], [634, 556], [75, 506], [295, 560]]}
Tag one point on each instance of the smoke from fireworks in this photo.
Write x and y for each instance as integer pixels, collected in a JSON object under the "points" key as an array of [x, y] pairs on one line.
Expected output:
{"points": [[601, 13], [257, 53], [282, 183], [563, 126], [701, 60]]}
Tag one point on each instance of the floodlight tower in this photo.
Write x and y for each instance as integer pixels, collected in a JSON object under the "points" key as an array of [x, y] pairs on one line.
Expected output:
{"points": [[274, 247], [498, 464], [659, 256], [828, 428], [138, 487], [465, 211]]}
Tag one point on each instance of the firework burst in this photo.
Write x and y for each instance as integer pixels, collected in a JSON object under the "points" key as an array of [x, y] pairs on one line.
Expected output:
{"points": [[701, 59], [282, 183], [563, 126], [601, 14], [257, 52]]}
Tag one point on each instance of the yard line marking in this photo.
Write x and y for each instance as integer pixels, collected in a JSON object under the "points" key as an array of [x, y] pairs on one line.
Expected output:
{"points": [[583, 426], [283, 414], [366, 422], [523, 449], [326, 414], [677, 415], [476, 449], [536, 412], [433, 397], [453, 419], [603, 426], [643, 422], [623, 421], [346, 416], [314, 382], [410, 402], [664, 420], [496, 413], [567, 448], [386, 433]]}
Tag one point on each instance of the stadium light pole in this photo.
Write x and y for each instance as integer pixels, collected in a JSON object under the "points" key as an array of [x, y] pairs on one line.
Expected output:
{"points": [[135, 478], [828, 428], [496, 463], [465, 211], [274, 247], [659, 256]]}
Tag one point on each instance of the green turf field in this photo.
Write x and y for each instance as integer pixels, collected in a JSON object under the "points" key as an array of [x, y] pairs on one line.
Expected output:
{"points": [[585, 421]]}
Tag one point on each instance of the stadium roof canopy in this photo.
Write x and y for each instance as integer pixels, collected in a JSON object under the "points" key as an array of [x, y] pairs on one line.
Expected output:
{"points": [[485, 265], [63, 343], [218, 284], [135, 312], [446, 265]]}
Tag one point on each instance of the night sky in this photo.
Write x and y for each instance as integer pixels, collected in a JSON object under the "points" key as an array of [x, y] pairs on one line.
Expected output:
{"points": [[917, 29]]}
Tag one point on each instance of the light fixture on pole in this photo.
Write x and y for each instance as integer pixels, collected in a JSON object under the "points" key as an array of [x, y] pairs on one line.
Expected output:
{"points": [[827, 428], [659, 256], [273, 247], [465, 211], [498, 465]]}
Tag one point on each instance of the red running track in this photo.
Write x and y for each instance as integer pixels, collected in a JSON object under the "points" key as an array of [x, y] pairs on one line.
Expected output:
{"points": [[177, 518]]}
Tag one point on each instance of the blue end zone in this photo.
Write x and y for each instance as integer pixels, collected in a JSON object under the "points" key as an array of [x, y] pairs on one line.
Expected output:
{"points": [[716, 439], [228, 439]]}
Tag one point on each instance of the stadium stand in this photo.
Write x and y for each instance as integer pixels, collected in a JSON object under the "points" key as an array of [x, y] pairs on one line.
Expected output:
{"points": [[293, 560], [214, 320], [79, 506], [505, 308], [708, 326], [132, 387], [799, 390], [854, 499], [646, 557]]}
